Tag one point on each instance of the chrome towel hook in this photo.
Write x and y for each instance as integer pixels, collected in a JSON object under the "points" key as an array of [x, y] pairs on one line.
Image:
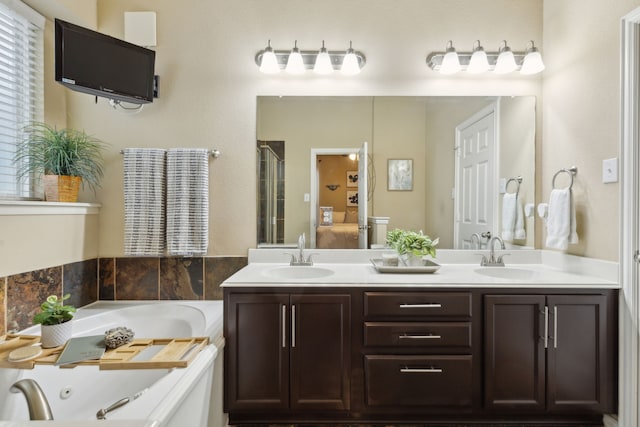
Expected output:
{"points": [[572, 171]]}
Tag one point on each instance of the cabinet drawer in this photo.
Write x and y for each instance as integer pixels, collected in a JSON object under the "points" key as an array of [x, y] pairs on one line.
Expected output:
{"points": [[417, 334], [418, 380], [417, 304]]}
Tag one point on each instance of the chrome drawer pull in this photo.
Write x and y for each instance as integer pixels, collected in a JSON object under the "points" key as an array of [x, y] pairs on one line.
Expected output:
{"points": [[427, 305], [420, 337], [407, 370]]}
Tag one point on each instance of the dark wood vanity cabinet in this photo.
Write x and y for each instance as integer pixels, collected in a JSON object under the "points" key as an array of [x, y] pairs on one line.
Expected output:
{"points": [[549, 353], [287, 352], [356, 355]]}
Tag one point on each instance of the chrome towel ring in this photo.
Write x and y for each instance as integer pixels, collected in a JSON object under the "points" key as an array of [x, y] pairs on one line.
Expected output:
{"points": [[517, 180], [572, 171]]}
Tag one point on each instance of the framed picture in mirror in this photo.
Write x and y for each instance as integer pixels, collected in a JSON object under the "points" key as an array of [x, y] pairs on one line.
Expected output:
{"points": [[400, 174], [352, 178], [352, 198]]}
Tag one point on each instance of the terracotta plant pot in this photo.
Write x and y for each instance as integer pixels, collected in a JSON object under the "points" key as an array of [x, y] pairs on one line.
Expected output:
{"points": [[61, 188], [55, 335]]}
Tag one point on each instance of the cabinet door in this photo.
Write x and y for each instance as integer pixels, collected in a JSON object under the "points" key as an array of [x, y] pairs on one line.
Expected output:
{"points": [[320, 351], [514, 328], [577, 357], [257, 352]]}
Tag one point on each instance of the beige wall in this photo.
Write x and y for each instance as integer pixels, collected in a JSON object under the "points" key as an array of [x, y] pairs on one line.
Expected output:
{"points": [[581, 112], [209, 85]]}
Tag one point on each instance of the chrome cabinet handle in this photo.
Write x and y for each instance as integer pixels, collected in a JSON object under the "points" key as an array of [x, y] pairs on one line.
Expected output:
{"points": [[284, 326], [427, 305], [419, 337], [293, 325], [555, 326], [408, 370], [546, 326]]}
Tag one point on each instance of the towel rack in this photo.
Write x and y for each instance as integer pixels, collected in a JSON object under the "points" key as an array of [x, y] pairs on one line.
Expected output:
{"points": [[214, 153], [517, 180], [572, 171]]}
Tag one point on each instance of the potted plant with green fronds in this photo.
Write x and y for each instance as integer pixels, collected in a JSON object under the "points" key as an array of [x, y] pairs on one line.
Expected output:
{"points": [[55, 321], [411, 246], [67, 158]]}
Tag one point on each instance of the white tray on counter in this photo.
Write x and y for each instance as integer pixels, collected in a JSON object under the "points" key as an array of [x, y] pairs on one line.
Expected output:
{"points": [[428, 267]]}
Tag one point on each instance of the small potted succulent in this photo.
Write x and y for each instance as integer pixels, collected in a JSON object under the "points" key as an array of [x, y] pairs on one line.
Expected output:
{"points": [[55, 320], [411, 246]]}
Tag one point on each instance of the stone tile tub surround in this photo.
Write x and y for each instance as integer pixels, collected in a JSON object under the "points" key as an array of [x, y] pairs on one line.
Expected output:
{"points": [[113, 279]]}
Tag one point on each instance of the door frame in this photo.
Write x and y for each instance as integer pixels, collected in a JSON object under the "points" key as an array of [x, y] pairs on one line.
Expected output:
{"points": [[629, 303], [314, 204], [494, 108]]}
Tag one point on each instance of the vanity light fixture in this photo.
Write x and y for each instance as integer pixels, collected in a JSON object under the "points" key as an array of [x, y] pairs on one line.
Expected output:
{"points": [[295, 65], [268, 61], [297, 61], [478, 62], [350, 65], [323, 62], [532, 63], [450, 61], [506, 62], [501, 62]]}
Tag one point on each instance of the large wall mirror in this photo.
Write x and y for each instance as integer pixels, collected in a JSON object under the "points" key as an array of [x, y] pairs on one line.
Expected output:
{"points": [[436, 134]]}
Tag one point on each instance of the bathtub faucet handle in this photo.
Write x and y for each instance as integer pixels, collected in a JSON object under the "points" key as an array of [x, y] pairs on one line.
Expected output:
{"points": [[101, 415]]}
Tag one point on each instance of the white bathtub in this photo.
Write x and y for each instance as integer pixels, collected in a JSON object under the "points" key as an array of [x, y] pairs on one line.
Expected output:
{"points": [[165, 397]]}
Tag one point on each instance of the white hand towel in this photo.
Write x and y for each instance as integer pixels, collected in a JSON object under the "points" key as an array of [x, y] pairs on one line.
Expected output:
{"points": [[144, 201], [187, 201], [561, 220], [512, 218]]}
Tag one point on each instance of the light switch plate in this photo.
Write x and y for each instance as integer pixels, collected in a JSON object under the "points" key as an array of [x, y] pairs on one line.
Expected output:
{"points": [[610, 170], [306, 197]]}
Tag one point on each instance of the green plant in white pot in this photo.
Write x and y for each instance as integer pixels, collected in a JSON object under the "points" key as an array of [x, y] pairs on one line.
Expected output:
{"points": [[55, 321], [411, 246], [67, 158]]}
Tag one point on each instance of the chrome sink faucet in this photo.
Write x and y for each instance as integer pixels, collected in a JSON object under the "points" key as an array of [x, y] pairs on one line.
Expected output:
{"points": [[301, 259], [493, 261]]}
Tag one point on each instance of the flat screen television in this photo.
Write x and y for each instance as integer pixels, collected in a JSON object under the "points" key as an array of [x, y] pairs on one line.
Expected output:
{"points": [[91, 62]]}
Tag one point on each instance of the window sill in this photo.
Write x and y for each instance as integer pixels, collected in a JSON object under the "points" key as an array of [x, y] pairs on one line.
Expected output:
{"points": [[16, 207]]}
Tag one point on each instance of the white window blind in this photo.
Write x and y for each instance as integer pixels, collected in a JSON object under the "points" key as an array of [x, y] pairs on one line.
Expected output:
{"points": [[21, 88]]}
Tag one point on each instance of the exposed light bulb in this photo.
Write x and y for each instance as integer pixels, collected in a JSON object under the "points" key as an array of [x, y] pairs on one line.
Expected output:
{"points": [[506, 62], [350, 65], [323, 62], [532, 63], [450, 61], [478, 62], [295, 64], [269, 62]]}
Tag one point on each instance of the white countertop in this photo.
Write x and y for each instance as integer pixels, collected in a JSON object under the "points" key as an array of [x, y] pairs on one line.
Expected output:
{"points": [[533, 269]]}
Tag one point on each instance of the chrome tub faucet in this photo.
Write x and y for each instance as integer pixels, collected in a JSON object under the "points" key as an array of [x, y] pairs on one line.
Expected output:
{"points": [[36, 400]]}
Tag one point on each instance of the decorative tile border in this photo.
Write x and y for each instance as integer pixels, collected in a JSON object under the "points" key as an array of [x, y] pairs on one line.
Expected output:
{"points": [[122, 278]]}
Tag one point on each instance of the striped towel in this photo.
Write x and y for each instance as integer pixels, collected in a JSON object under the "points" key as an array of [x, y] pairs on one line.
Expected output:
{"points": [[144, 201], [187, 201]]}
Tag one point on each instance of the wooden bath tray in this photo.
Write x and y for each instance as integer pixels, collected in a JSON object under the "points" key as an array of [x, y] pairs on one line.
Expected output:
{"points": [[167, 353]]}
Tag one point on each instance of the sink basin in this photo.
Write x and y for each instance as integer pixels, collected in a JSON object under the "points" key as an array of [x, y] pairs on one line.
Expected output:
{"points": [[299, 272], [507, 273]]}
